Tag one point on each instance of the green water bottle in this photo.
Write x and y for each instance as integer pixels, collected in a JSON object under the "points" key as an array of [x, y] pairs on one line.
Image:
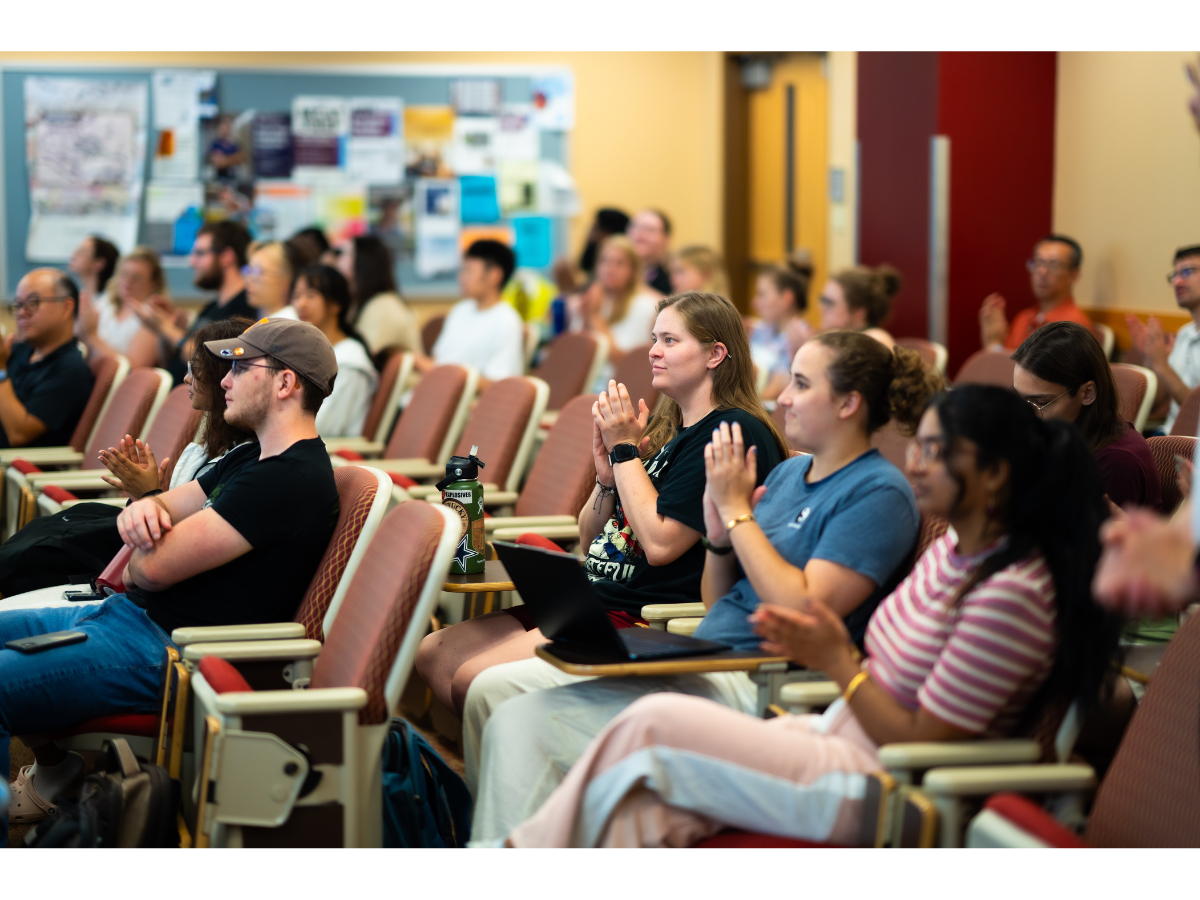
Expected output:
{"points": [[462, 492]]}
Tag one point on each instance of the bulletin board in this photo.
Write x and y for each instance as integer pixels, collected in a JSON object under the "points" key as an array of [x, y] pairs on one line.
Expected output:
{"points": [[482, 199]]}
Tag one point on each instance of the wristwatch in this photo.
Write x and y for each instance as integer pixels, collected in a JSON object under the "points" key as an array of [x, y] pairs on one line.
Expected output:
{"points": [[622, 453]]}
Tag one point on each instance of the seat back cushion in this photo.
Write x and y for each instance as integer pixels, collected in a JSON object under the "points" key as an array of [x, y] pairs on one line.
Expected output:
{"points": [[423, 425], [125, 415], [497, 424], [563, 473], [173, 429], [566, 366], [104, 370]]}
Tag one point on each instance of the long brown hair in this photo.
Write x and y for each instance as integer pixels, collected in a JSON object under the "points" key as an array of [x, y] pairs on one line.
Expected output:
{"points": [[158, 278], [621, 302], [219, 436], [712, 319]]}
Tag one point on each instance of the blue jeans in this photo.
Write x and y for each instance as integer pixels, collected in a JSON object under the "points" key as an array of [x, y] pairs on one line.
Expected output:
{"points": [[118, 669]]}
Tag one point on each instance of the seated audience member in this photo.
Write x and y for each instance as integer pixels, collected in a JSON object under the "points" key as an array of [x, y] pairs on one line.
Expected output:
{"points": [[642, 523], [217, 259], [1175, 360], [238, 545], [698, 268], [608, 222], [616, 304], [994, 623], [93, 263], [44, 381], [1062, 373], [481, 330], [860, 299], [132, 465], [110, 324], [269, 275], [322, 296], [383, 319], [1053, 271], [780, 299], [833, 529], [650, 233], [310, 244]]}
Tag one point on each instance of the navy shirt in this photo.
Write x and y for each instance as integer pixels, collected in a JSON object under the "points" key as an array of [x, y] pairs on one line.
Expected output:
{"points": [[55, 390], [863, 517]]}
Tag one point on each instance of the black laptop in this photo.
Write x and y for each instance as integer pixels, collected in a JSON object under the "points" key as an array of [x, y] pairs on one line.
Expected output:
{"points": [[559, 596]]}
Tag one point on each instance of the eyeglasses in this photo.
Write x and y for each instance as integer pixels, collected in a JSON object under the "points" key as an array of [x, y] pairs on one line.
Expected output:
{"points": [[252, 271], [926, 450], [1050, 265], [32, 302], [238, 366], [1038, 407], [1185, 273], [206, 252]]}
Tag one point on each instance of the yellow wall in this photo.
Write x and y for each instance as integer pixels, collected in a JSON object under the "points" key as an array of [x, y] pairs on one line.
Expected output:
{"points": [[648, 125], [843, 132], [1126, 173]]}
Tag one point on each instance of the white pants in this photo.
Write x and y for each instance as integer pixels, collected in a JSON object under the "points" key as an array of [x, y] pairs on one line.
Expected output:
{"points": [[536, 721]]}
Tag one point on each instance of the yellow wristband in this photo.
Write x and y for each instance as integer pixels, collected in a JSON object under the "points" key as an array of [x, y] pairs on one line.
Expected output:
{"points": [[854, 685], [733, 523]]}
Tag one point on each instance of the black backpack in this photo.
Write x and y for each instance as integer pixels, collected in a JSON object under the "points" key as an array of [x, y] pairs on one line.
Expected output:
{"points": [[129, 804], [69, 547], [425, 802]]}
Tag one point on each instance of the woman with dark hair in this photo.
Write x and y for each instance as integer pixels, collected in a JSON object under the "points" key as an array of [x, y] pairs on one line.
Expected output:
{"points": [[93, 262], [860, 299], [1062, 373], [133, 466], [834, 528], [780, 299], [383, 319], [995, 623], [322, 297]]}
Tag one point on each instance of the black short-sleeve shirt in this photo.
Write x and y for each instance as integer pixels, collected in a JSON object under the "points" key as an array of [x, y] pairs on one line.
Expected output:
{"points": [[286, 507], [616, 563], [55, 389]]}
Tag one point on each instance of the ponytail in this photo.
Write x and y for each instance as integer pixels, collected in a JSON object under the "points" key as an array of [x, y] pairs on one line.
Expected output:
{"points": [[870, 289], [1053, 504], [794, 276]]}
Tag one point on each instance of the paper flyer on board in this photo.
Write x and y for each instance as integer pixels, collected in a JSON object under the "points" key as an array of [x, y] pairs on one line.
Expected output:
{"points": [[85, 154], [320, 126], [178, 96], [375, 143], [436, 209], [554, 100]]}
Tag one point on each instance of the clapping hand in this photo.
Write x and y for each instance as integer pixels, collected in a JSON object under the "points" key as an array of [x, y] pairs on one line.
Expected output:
{"points": [[993, 324], [815, 637], [133, 467], [1146, 568], [616, 417], [730, 472]]}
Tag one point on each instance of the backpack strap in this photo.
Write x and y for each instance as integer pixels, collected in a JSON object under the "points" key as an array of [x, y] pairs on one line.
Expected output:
{"points": [[125, 757]]}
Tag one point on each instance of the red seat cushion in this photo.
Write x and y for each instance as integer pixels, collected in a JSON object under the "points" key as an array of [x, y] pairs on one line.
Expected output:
{"points": [[402, 480], [24, 466], [222, 676], [1028, 816], [57, 494], [533, 539], [734, 838], [138, 724], [350, 455]]}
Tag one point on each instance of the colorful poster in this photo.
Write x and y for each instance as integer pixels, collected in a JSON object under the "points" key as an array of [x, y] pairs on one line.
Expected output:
{"points": [[428, 136], [518, 186], [271, 143], [177, 112], [320, 126], [85, 146], [476, 96], [340, 210], [375, 146], [281, 208], [554, 100], [436, 208], [479, 203], [533, 242], [474, 146], [518, 137]]}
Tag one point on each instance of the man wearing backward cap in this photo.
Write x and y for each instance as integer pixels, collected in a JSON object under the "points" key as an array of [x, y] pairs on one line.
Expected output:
{"points": [[240, 544]]}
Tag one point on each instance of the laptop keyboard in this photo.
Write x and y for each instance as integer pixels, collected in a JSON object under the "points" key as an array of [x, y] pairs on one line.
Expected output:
{"points": [[646, 647]]}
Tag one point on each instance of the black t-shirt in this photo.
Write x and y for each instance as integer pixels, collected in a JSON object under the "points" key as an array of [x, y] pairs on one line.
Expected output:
{"points": [[615, 562], [659, 279], [286, 506], [54, 389], [238, 305]]}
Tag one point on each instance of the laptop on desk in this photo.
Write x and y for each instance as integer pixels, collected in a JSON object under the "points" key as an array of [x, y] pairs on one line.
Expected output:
{"points": [[560, 598]]}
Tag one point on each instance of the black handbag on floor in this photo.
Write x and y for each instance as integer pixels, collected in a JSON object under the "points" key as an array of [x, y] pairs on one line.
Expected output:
{"points": [[69, 547]]}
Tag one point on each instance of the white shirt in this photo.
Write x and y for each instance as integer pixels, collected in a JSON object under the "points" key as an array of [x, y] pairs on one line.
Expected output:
{"points": [[491, 341], [1185, 361], [343, 412], [285, 312], [387, 321], [632, 331], [116, 332]]}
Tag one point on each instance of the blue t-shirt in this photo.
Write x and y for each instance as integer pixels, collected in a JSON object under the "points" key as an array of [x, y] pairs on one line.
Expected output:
{"points": [[863, 517]]}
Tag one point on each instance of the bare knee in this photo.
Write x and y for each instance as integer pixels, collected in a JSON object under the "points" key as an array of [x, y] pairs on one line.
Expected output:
{"points": [[428, 652]]}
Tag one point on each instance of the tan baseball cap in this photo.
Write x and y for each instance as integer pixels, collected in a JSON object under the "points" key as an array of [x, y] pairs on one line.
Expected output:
{"points": [[301, 346]]}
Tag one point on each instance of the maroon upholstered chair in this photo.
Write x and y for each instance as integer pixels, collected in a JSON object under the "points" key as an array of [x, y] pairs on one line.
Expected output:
{"points": [[1164, 449], [1136, 387], [633, 371], [570, 360], [993, 367], [1187, 423]]}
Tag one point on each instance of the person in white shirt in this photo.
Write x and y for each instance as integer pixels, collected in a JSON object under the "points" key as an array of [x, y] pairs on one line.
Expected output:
{"points": [[482, 331], [110, 323], [322, 296], [1175, 360]]}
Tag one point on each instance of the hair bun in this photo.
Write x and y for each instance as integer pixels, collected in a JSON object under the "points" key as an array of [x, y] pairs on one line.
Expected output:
{"points": [[800, 262], [890, 280]]}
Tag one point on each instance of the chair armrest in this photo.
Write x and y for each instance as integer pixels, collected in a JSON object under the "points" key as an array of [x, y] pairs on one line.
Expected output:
{"points": [[973, 781], [413, 468], [357, 444], [499, 497], [549, 531], [686, 627], [251, 650], [928, 754], [344, 699], [809, 693], [528, 523], [549, 417], [661, 611], [268, 631], [43, 456], [71, 479]]}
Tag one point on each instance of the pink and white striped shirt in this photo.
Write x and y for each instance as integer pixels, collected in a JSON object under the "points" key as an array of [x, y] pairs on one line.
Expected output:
{"points": [[974, 665]]}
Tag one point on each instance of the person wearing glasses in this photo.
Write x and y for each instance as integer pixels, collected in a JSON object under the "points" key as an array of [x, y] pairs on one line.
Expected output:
{"points": [[1053, 271], [1174, 359], [44, 381], [1062, 373], [269, 277]]}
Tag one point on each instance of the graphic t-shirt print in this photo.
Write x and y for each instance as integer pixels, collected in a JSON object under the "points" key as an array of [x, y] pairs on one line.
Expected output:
{"points": [[616, 555]]}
